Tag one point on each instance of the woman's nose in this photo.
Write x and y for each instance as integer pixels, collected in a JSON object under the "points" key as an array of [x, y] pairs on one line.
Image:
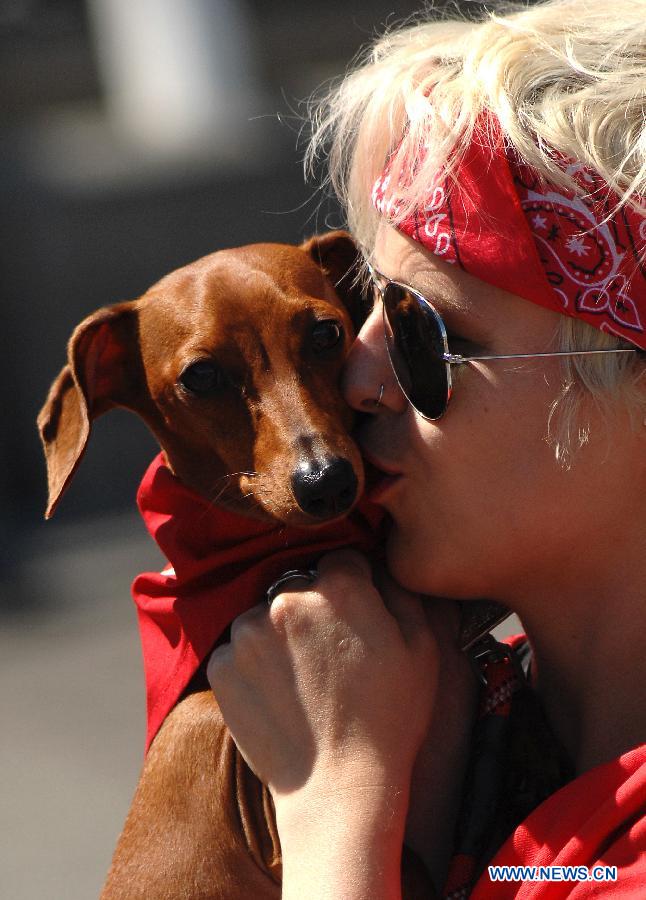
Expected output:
{"points": [[369, 382]]}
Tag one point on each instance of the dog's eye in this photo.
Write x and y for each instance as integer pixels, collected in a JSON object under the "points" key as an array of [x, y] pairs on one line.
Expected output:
{"points": [[326, 335], [202, 377]]}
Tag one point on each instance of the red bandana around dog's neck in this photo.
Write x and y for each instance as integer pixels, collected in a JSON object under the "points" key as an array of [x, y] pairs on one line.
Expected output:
{"points": [[220, 564], [498, 220]]}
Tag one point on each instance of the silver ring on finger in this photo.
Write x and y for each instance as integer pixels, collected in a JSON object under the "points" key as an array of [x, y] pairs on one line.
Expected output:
{"points": [[307, 575]]}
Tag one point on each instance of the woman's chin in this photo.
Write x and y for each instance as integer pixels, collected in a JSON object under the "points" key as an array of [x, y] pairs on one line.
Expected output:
{"points": [[405, 565], [424, 571]]}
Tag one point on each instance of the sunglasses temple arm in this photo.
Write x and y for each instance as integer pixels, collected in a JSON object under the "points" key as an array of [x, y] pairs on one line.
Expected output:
{"points": [[456, 359]]}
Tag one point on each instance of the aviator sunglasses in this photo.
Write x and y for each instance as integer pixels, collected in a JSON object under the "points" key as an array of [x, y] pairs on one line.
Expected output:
{"points": [[418, 347]]}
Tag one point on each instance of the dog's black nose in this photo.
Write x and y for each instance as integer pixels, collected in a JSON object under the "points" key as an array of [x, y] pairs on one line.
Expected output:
{"points": [[324, 488]]}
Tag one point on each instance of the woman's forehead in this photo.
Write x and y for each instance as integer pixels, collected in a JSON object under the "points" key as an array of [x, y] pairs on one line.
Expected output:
{"points": [[452, 290], [400, 258]]}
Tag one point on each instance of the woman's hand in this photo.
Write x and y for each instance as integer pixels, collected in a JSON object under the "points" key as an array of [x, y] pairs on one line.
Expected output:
{"points": [[329, 693], [336, 679]]}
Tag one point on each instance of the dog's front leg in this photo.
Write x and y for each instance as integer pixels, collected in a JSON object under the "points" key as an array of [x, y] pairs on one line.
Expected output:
{"points": [[201, 825]]}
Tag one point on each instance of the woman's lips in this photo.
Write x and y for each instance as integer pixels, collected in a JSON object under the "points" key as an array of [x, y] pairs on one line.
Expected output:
{"points": [[385, 468], [378, 491], [379, 478]]}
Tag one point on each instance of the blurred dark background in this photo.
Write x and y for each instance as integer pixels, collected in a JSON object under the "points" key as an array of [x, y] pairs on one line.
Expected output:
{"points": [[137, 135]]}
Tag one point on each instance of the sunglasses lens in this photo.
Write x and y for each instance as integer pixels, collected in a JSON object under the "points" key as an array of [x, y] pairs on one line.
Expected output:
{"points": [[416, 345]]}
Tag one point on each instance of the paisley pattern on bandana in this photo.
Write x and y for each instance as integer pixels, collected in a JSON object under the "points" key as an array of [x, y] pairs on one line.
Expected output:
{"points": [[570, 252], [431, 223], [587, 256], [437, 225]]}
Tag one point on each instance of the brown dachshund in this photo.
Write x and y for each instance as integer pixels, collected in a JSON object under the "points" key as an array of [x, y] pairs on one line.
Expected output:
{"points": [[233, 362]]}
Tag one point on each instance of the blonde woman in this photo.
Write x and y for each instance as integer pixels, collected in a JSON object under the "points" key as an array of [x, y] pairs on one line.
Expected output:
{"points": [[494, 175]]}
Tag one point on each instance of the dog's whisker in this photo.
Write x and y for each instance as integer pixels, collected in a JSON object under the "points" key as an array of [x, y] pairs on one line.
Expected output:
{"points": [[272, 507], [257, 493], [220, 493], [234, 474], [227, 478]]}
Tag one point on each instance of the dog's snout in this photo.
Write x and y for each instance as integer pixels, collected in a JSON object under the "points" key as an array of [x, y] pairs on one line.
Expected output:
{"points": [[324, 489]]}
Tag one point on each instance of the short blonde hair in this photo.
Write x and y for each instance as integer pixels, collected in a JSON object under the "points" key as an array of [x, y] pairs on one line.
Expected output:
{"points": [[566, 76]]}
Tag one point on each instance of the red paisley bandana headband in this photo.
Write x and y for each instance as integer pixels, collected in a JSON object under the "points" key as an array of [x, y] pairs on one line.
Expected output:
{"points": [[499, 220]]}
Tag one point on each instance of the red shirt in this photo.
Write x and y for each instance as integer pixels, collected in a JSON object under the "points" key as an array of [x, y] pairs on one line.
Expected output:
{"points": [[598, 819]]}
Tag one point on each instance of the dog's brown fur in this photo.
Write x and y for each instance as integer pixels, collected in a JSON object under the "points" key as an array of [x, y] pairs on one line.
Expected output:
{"points": [[201, 825]]}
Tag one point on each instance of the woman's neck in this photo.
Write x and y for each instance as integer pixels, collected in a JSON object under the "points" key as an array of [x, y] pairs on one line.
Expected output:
{"points": [[589, 668]]}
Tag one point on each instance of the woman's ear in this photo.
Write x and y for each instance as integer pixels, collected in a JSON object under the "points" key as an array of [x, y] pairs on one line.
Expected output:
{"points": [[339, 257]]}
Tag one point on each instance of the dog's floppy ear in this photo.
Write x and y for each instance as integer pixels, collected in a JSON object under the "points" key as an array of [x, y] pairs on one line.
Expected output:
{"points": [[339, 257], [96, 378]]}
